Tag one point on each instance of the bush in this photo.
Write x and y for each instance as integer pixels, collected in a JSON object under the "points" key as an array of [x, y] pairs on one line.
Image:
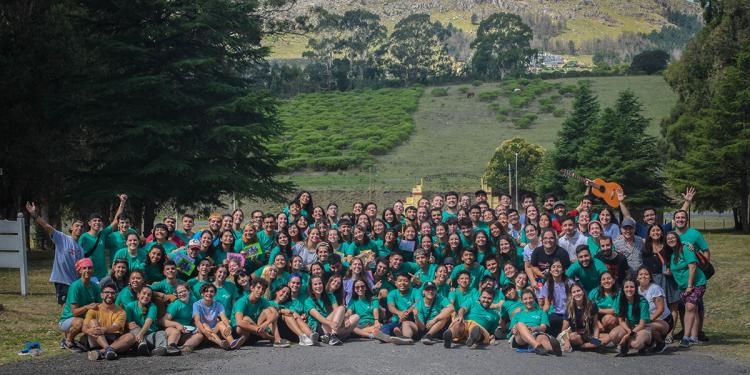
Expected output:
{"points": [[525, 121], [476, 83], [463, 89], [559, 112], [501, 118], [489, 96], [440, 91], [567, 89]]}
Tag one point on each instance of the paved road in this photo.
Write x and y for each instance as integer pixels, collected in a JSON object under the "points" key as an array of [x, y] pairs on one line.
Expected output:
{"points": [[363, 357]]}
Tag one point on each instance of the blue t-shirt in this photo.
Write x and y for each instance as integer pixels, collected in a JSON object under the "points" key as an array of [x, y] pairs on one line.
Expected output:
{"points": [[209, 314], [67, 252]]}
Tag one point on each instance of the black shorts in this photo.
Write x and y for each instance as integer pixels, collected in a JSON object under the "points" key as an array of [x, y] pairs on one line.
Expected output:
{"points": [[61, 291], [670, 322]]}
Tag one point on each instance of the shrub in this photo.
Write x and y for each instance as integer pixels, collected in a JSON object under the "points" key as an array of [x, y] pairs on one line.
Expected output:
{"points": [[567, 90], [559, 112], [463, 89], [488, 96], [476, 83], [525, 121], [439, 91]]}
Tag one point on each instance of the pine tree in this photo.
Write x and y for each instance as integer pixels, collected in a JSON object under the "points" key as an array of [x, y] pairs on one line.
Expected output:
{"points": [[617, 148], [575, 128]]}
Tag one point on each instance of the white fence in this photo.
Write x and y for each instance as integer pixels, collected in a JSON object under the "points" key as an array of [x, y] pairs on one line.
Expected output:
{"points": [[13, 248]]}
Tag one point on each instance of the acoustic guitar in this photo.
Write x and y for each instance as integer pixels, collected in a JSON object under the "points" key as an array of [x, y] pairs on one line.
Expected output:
{"points": [[606, 191]]}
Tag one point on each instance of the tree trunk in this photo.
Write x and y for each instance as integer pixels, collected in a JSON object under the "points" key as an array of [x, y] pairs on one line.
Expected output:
{"points": [[149, 215], [744, 204]]}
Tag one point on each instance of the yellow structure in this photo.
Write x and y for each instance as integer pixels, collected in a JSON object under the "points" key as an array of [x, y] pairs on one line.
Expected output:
{"points": [[416, 194]]}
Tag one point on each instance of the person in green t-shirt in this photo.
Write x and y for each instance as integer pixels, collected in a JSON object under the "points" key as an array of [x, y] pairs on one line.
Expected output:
{"points": [[289, 314], [367, 308], [117, 239], [83, 295], [473, 322], [400, 303], [143, 325], [153, 267], [529, 325], [325, 316], [255, 316], [186, 233], [432, 313], [93, 241], [463, 292], [632, 312], [587, 269], [469, 264], [135, 255], [604, 298], [178, 323], [691, 281]]}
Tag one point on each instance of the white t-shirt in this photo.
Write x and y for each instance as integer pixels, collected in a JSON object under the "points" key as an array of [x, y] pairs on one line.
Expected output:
{"points": [[650, 295], [67, 252]]}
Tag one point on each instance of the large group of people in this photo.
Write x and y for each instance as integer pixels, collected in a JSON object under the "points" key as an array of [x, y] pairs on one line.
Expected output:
{"points": [[452, 270]]}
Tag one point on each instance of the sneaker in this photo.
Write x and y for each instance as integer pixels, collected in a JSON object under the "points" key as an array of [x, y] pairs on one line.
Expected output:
{"points": [[427, 340], [382, 337], [186, 349], [702, 337], [314, 338], [304, 340], [237, 343], [325, 339], [540, 350], [334, 340], [399, 340], [695, 341], [474, 335], [281, 344], [447, 339], [159, 352], [556, 348], [660, 347], [110, 354], [622, 351], [172, 350], [669, 339], [94, 355], [224, 344], [143, 349], [685, 342], [679, 335], [498, 333]]}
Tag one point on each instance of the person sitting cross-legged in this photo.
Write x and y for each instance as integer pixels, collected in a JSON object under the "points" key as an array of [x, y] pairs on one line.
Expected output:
{"points": [[474, 322], [104, 327]]}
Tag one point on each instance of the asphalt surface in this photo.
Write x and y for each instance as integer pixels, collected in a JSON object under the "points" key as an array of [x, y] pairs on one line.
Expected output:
{"points": [[365, 357]]}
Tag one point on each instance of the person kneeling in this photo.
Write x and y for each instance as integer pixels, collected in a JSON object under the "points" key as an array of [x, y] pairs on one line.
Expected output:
{"points": [[253, 317], [473, 322], [528, 327], [104, 326]]}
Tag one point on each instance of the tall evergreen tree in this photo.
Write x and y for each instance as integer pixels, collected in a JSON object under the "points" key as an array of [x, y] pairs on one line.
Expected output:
{"points": [[617, 148], [175, 112]]}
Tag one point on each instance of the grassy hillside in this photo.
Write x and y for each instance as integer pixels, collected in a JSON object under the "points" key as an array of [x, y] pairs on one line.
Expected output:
{"points": [[586, 19], [459, 135]]}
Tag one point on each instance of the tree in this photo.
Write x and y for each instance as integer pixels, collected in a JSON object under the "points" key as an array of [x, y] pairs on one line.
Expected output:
{"points": [[416, 50], [502, 46], [617, 148], [707, 134], [529, 157], [363, 35], [649, 62], [174, 112], [574, 130]]}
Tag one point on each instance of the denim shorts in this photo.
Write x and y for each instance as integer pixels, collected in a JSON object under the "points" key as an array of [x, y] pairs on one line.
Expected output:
{"points": [[64, 326]]}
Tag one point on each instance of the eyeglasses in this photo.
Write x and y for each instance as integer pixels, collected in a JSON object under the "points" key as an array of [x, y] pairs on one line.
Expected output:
{"points": [[108, 292], [359, 287]]}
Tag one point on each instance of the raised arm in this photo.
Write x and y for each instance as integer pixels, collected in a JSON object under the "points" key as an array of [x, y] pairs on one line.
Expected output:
{"points": [[34, 212], [623, 208], [688, 196], [120, 209]]}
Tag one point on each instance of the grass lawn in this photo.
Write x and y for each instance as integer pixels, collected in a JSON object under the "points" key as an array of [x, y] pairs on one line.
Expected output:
{"points": [[34, 318], [459, 135]]}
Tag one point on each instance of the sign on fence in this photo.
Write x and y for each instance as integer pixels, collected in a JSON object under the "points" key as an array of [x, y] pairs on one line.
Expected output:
{"points": [[13, 248]]}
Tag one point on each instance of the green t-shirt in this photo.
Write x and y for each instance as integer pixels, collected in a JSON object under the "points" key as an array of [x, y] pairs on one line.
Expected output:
{"points": [[484, 316], [266, 242], [137, 262], [365, 310], [589, 277], [226, 295], [402, 301], [183, 236], [80, 295], [168, 246], [506, 310], [488, 253], [681, 269], [405, 269], [593, 246], [115, 242], [195, 287], [135, 314], [428, 275], [644, 313], [693, 237], [249, 309], [353, 249], [602, 301], [87, 242], [459, 298], [154, 273], [296, 305], [180, 312], [320, 307], [533, 318], [476, 272], [427, 313], [165, 287], [125, 297]]}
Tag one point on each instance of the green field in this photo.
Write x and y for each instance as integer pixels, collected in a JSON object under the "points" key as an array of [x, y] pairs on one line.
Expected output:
{"points": [[459, 135], [34, 318]]}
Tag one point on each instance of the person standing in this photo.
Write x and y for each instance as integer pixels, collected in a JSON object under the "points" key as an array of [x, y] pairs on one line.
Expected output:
{"points": [[67, 253], [93, 241]]}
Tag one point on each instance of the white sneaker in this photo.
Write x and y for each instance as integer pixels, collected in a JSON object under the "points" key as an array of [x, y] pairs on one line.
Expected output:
{"points": [[305, 341]]}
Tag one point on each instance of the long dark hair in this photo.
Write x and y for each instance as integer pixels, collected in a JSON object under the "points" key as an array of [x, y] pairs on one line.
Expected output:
{"points": [[636, 309], [285, 249], [648, 246], [511, 256], [323, 296], [309, 207], [600, 291], [677, 249], [163, 255], [551, 281], [365, 236], [368, 292]]}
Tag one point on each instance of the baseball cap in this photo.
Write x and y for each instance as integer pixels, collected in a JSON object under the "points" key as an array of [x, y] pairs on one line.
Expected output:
{"points": [[449, 260], [194, 243], [628, 222], [429, 285], [559, 203]]}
